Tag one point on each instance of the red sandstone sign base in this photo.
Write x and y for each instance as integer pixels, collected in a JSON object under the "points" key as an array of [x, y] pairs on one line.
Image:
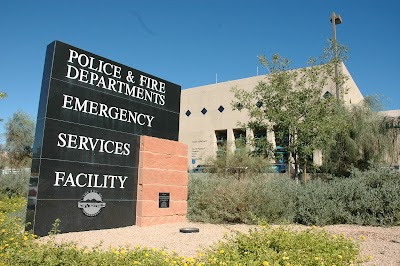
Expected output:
{"points": [[162, 169]]}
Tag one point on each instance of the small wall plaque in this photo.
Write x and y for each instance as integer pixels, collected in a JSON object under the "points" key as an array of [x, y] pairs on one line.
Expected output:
{"points": [[163, 200]]}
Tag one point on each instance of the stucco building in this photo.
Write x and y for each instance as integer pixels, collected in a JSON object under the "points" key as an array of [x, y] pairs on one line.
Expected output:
{"points": [[207, 118]]}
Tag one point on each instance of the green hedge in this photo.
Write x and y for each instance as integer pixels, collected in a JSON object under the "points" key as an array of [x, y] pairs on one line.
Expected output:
{"points": [[229, 200], [366, 198]]}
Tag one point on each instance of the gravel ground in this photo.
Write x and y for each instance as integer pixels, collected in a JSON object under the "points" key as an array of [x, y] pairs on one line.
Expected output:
{"points": [[382, 243]]}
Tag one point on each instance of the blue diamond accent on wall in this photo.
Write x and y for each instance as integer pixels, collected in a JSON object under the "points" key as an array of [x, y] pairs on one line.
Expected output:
{"points": [[188, 113], [204, 111], [221, 109]]}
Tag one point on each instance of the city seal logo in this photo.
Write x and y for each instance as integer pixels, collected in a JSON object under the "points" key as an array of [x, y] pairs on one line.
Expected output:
{"points": [[91, 203]]}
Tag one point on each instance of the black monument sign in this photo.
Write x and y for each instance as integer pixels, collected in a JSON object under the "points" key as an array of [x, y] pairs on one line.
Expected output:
{"points": [[85, 155]]}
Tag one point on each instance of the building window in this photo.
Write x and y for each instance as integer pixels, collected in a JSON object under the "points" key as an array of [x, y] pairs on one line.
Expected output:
{"points": [[281, 159], [240, 137], [281, 136], [221, 137], [204, 111], [260, 141], [260, 133]]}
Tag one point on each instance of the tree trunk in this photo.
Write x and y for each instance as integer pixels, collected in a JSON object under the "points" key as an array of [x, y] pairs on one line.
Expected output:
{"points": [[296, 168], [305, 172], [289, 166]]}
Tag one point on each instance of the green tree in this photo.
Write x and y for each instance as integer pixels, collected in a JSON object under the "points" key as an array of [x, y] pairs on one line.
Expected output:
{"points": [[2, 96], [19, 138], [290, 100], [3, 157], [369, 139]]}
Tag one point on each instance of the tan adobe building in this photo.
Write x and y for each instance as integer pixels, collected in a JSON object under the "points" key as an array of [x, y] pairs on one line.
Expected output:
{"points": [[207, 117]]}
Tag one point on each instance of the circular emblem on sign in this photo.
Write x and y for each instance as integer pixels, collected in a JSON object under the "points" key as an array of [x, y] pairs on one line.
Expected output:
{"points": [[91, 203]]}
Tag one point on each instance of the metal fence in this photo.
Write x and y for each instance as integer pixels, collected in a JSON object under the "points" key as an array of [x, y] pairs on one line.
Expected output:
{"points": [[14, 171]]}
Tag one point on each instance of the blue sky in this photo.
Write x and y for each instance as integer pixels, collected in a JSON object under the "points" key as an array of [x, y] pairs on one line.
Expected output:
{"points": [[189, 42]]}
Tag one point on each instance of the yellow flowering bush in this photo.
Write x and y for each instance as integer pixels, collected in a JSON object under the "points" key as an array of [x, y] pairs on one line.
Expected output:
{"points": [[19, 248], [264, 246], [282, 246]]}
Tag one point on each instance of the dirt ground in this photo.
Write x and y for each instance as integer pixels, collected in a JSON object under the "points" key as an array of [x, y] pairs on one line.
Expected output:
{"points": [[380, 244]]}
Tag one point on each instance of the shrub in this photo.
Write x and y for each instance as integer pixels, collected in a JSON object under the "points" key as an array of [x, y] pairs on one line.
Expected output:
{"points": [[277, 246], [322, 203], [238, 160], [273, 198], [282, 246], [19, 248], [219, 200], [230, 200], [68, 254], [14, 184], [12, 237], [371, 197], [379, 199]]}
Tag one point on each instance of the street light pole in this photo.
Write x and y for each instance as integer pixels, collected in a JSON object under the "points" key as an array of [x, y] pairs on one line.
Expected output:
{"points": [[335, 20]]}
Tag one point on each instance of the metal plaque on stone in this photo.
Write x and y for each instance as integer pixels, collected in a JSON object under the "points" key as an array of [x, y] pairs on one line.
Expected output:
{"points": [[163, 200]]}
